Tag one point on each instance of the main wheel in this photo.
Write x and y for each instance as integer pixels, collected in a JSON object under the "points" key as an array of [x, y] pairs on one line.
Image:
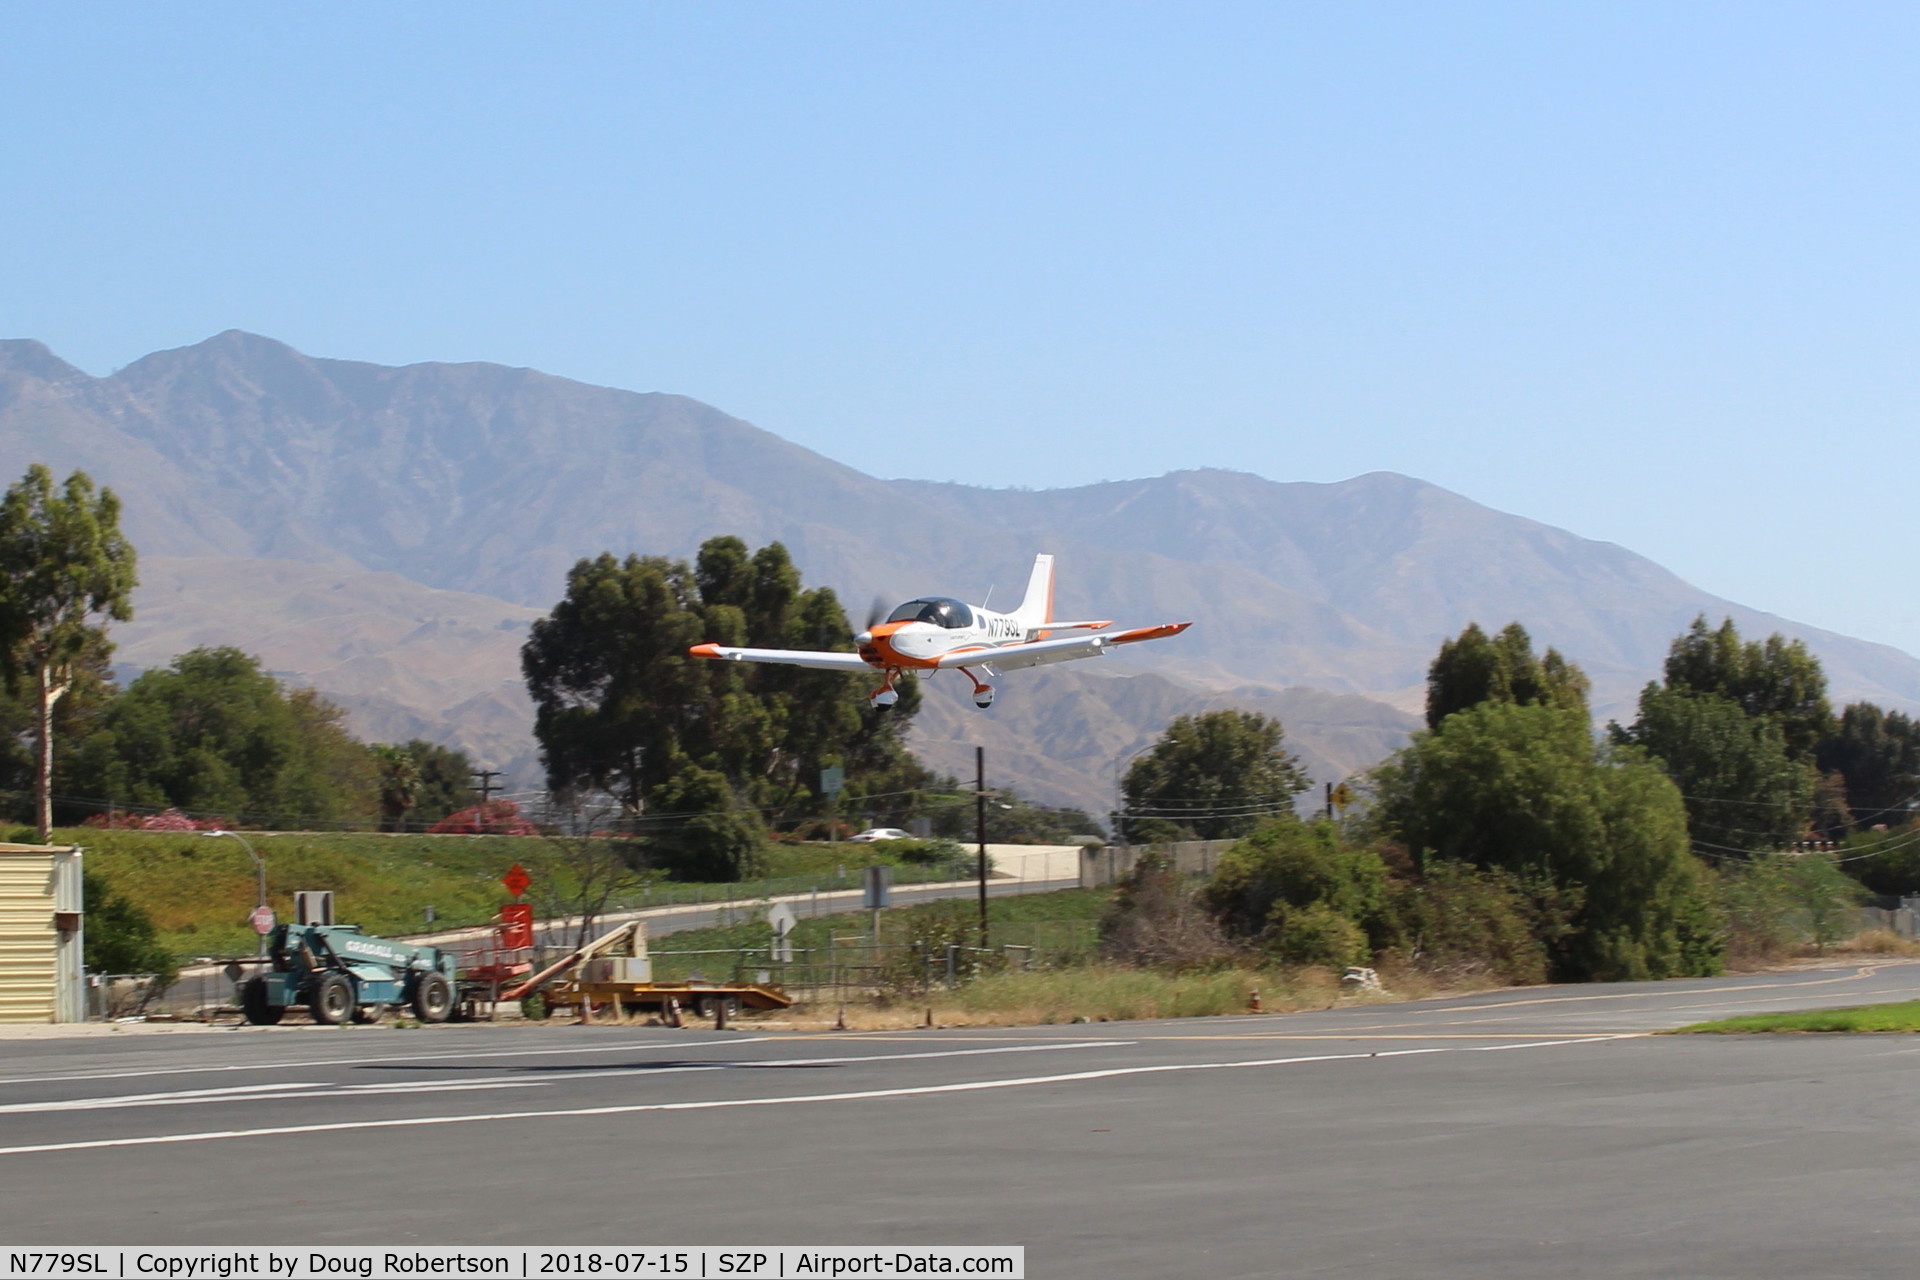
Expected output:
{"points": [[370, 1013], [432, 997], [254, 1003], [332, 1002]]}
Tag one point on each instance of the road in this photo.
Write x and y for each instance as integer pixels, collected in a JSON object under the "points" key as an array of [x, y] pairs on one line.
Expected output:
{"points": [[1530, 1133]]}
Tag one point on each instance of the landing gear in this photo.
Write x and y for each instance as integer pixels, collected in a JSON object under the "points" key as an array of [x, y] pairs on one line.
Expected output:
{"points": [[982, 693], [886, 695]]}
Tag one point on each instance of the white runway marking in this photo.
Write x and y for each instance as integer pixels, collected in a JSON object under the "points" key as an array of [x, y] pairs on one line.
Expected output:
{"points": [[971, 1086], [308, 1063], [322, 1090]]}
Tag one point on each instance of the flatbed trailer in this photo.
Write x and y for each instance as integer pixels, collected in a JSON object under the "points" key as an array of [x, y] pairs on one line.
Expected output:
{"points": [[702, 998], [615, 970]]}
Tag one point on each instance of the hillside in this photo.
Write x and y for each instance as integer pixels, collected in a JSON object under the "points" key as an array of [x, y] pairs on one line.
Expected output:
{"points": [[384, 532]]}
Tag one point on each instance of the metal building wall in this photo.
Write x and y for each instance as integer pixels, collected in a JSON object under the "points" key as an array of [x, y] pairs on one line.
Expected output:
{"points": [[41, 975]]}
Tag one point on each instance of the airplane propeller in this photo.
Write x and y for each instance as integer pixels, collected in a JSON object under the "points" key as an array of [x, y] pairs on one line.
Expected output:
{"points": [[875, 612]]}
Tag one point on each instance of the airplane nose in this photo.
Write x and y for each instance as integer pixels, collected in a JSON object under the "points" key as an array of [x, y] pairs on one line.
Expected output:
{"points": [[864, 639]]}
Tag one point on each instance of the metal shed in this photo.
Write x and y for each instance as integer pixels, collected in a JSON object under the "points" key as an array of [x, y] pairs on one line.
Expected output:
{"points": [[42, 978]]}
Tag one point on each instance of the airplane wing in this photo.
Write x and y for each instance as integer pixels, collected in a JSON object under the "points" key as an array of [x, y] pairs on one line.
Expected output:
{"points": [[785, 657], [1040, 652]]}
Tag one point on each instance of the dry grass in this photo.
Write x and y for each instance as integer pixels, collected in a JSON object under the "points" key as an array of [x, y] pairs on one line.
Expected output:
{"points": [[1098, 993], [1876, 942]]}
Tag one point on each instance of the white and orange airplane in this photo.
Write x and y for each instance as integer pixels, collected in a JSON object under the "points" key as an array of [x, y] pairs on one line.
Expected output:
{"points": [[935, 633]]}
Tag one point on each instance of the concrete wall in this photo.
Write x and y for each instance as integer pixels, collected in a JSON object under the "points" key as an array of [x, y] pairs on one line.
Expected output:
{"points": [[1116, 862]]}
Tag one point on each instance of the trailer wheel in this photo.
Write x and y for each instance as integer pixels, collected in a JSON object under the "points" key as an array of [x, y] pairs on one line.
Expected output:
{"points": [[254, 1003], [332, 1002], [711, 1005], [432, 997], [368, 1013]]}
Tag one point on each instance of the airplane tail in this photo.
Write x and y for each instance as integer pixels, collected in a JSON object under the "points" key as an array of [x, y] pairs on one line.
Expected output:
{"points": [[1036, 608]]}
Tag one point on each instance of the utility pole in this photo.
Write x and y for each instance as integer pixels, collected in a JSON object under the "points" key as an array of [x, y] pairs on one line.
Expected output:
{"points": [[487, 786], [980, 830]]}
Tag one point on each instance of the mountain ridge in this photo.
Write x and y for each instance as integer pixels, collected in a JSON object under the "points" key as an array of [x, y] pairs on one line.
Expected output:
{"points": [[489, 481]]}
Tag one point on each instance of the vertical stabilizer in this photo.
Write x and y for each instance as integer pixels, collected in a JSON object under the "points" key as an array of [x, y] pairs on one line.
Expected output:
{"points": [[1036, 608]]}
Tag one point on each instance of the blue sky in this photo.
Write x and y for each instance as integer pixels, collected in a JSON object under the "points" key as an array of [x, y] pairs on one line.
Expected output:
{"points": [[1644, 271]]}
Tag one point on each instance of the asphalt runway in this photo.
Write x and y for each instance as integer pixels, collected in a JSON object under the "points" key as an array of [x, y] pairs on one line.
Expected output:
{"points": [[1528, 1133]]}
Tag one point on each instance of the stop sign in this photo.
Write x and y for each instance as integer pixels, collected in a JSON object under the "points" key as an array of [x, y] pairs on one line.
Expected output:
{"points": [[261, 919]]}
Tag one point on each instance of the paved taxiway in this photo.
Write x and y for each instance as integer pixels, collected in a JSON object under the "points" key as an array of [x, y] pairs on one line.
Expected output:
{"points": [[1520, 1133]]}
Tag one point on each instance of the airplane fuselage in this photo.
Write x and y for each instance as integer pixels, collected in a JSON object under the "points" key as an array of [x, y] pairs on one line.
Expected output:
{"points": [[921, 632]]}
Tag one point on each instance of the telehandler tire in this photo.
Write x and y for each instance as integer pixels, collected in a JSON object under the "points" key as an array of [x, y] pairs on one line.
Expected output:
{"points": [[432, 997], [254, 1003], [332, 1003]]}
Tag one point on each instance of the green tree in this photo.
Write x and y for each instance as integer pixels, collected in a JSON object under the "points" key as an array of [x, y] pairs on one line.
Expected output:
{"points": [[1775, 679], [74, 717], [612, 684], [1473, 668], [1878, 753], [65, 572], [215, 734], [1742, 789], [698, 831], [1212, 776], [1526, 789], [446, 782], [398, 777], [622, 708], [1885, 861]]}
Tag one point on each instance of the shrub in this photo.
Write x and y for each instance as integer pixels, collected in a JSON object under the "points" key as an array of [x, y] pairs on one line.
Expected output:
{"points": [[120, 938], [494, 818], [1457, 921], [1299, 865], [165, 820], [1778, 901], [1315, 934], [1157, 920], [926, 853]]}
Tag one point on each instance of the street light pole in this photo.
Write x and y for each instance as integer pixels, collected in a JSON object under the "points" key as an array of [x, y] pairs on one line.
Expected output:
{"points": [[260, 868]]}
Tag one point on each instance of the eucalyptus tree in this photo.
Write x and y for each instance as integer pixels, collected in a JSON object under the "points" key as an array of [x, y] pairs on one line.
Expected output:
{"points": [[65, 572]]}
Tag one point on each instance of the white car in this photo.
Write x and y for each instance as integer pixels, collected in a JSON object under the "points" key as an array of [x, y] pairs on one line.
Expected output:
{"points": [[872, 834]]}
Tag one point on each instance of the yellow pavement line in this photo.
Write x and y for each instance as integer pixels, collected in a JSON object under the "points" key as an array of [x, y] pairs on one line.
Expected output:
{"points": [[1432, 1035]]}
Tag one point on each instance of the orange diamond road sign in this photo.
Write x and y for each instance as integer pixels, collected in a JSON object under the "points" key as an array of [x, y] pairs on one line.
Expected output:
{"points": [[516, 880]]}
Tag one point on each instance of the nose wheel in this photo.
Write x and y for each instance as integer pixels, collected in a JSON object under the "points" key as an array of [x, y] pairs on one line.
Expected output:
{"points": [[982, 693], [886, 695]]}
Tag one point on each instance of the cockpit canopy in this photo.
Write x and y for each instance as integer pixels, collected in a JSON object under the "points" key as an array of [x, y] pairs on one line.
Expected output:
{"points": [[939, 610]]}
